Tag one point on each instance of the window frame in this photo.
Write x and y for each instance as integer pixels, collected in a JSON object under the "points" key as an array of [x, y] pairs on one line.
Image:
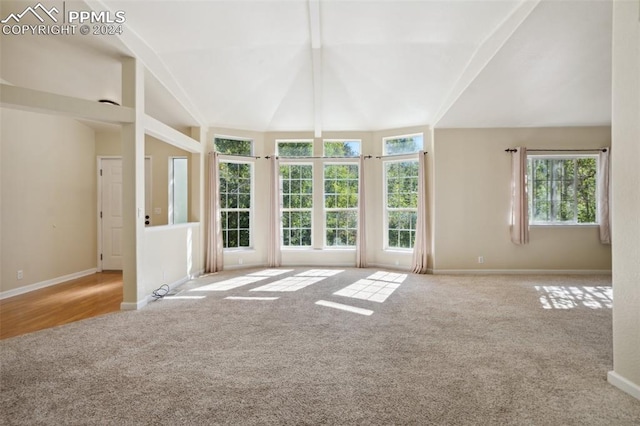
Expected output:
{"points": [[291, 141], [349, 161], [324, 148], [234, 138], [530, 197], [284, 209], [410, 135], [396, 158], [386, 209]]}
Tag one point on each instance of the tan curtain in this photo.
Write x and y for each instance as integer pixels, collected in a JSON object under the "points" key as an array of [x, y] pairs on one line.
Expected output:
{"points": [[214, 254], [361, 240], [420, 246], [274, 255], [519, 199], [603, 197]]}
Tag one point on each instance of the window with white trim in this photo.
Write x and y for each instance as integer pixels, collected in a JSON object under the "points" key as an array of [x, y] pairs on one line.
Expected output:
{"points": [[341, 148], [236, 192], [562, 189], [297, 204], [295, 148], [401, 190], [341, 204]]}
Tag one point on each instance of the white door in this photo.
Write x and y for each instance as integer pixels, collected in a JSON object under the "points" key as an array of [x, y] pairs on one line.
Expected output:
{"points": [[111, 213], [111, 210]]}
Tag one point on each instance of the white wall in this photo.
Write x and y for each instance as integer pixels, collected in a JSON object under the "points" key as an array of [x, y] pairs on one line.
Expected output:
{"points": [[48, 198], [472, 203], [625, 157], [171, 255]]}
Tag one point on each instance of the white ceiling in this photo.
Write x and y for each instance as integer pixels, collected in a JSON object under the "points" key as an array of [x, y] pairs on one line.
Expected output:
{"points": [[382, 64]]}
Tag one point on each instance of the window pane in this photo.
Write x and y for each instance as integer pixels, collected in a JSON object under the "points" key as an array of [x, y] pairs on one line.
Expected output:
{"points": [[586, 189], [235, 200], [179, 190], [402, 184], [401, 228], [234, 146], [562, 190], [297, 202], [403, 145], [341, 228], [295, 148], [341, 148]]}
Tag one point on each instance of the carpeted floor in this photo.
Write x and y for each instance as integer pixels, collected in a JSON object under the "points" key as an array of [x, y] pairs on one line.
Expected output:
{"points": [[454, 350]]}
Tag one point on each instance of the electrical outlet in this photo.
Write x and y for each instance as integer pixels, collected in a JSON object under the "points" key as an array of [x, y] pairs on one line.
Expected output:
{"points": [[480, 259], [20, 274]]}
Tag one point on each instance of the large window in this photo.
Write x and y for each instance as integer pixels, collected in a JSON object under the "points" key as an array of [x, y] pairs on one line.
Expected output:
{"points": [[562, 190], [401, 190], [297, 204], [236, 184], [341, 204]]}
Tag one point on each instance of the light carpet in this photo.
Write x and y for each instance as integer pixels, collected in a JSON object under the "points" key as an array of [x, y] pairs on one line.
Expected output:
{"points": [[455, 350]]}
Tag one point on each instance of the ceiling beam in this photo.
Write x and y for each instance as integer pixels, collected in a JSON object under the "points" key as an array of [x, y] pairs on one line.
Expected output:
{"points": [[50, 103], [316, 59], [485, 52]]}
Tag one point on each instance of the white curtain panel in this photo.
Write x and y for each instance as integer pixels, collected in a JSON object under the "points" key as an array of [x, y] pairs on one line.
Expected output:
{"points": [[420, 246], [361, 240], [603, 196], [274, 255], [214, 255], [519, 200]]}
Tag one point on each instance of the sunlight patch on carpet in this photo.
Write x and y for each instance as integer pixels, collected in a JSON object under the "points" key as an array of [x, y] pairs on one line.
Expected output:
{"points": [[365, 289], [229, 284], [320, 273], [289, 284], [562, 297], [376, 287], [270, 272], [342, 307]]}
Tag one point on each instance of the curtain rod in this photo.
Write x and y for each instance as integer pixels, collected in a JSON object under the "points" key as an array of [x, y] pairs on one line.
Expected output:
{"points": [[316, 158], [235, 155], [399, 155], [558, 150]]}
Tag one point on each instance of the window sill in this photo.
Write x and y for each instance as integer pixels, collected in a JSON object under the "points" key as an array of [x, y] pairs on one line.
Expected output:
{"points": [[399, 250], [240, 250]]}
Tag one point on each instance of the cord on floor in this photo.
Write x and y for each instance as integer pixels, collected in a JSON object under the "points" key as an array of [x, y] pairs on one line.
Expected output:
{"points": [[160, 292]]}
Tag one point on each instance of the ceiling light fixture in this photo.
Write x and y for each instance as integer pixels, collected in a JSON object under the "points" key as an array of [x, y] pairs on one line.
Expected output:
{"points": [[108, 101]]}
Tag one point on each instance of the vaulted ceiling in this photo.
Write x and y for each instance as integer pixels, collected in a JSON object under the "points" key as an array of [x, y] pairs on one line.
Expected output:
{"points": [[329, 65]]}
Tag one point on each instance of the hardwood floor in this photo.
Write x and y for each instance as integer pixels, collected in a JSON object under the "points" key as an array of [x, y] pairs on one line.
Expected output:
{"points": [[74, 300]]}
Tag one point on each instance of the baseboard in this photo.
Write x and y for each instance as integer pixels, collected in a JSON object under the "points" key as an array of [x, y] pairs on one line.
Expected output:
{"points": [[623, 384], [47, 283], [134, 306], [521, 271]]}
